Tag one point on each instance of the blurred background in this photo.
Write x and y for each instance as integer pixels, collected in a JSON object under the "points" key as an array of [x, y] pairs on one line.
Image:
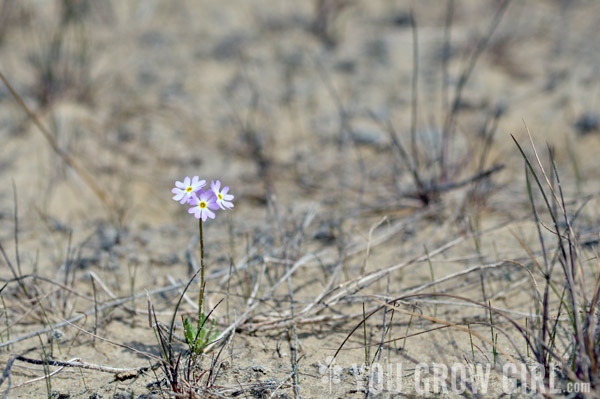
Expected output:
{"points": [[289, 98]]}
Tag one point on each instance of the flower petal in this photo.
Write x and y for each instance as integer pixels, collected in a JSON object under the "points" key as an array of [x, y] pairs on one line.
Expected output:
{"points": [[178, 196], [193, 200], [194, 212], [198, 185], [179, 184], [206, 196], [186, 181]]}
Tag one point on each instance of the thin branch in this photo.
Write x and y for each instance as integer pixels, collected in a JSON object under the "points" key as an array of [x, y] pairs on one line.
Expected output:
{"points": [[66, 157], [466, 74], [76, 363]]}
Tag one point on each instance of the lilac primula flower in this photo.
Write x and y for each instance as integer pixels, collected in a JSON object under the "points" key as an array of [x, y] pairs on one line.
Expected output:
{"points": [[184, 191], [203, 203], [223, 199]]}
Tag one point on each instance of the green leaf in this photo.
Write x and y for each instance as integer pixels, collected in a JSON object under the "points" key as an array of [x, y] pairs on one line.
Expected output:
{"points": [[190, 332]]}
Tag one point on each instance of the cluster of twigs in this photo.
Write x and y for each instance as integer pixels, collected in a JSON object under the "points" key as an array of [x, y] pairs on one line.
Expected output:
{"points": [[564, 305], [578, 359]]}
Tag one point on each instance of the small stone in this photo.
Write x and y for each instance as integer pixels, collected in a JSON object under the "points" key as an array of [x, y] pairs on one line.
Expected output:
{"points": [[57, 226], [165, 260], [230, 47], [89, 261], [401, 19], [346, 66], [587, 123], [108, 236], [367, 137], [378, 50], [57, 336], [261, 369]]}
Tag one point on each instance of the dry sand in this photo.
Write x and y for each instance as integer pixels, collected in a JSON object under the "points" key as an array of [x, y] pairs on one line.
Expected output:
{"points": [[244, 92]]}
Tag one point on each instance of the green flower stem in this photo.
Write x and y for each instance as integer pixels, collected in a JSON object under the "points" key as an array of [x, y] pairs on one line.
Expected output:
{"points": [[201, 297]]}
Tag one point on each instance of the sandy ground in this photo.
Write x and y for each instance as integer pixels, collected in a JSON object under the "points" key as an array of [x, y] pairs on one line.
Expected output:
{"points": [[294, 120]]}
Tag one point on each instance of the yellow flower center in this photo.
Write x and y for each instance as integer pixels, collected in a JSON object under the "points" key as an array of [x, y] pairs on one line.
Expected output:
{"points": [[220, 196], [189, 189], [202, 205]]}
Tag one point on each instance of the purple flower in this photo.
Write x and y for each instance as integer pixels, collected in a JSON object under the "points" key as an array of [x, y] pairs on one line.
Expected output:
{"points": [[202, 203], [223, 199], [184, 191]]}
